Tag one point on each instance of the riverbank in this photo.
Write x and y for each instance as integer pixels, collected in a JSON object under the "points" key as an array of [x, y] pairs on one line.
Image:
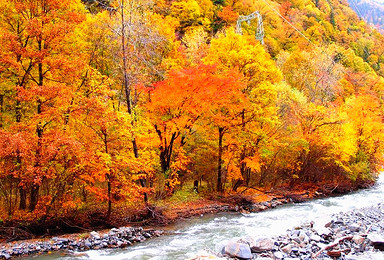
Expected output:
{"points": [[257, 200], [254, 200], [114, 238], [346, 236]]}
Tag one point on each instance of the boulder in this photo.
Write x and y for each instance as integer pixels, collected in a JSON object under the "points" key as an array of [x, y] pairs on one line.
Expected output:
{"points": [[5, 256], [60, 239], [287, 249], [260, 244], [278, 255], [315, 238], [358, 239], [354, 228], [239, 250], [334, 253], [377, 241], [95, 235]]}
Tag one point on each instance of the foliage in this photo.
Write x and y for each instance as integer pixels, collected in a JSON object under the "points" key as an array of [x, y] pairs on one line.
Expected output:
{"points": [[112, 103]]}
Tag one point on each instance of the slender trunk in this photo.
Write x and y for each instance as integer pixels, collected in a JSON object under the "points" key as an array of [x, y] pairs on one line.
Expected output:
{"points": [[109, 177], [23, 198], [22, 192], [127, 90], [244, 170], [166, 149], [34, 195], [126, 86], [36, 186], [1, 109], [39, 131], [109, 195], [219, 187]]}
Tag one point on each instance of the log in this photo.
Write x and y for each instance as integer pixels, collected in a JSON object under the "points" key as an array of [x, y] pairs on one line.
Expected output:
{"points": [[331, 245]]}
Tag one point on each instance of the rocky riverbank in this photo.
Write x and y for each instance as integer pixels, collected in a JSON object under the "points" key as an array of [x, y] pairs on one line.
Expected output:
{"points": [[346, 236], [125, 236], [114, 238]]}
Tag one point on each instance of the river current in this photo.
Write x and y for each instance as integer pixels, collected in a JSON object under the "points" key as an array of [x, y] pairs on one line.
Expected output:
{"points": [[205, 235]]}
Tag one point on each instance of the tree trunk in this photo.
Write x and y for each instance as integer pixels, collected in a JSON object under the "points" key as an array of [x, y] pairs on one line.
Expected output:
{"points": [[39, 131], [1, 109], [127, 90], [109, 195], [34, 197], [23, 198], [219, 187]]}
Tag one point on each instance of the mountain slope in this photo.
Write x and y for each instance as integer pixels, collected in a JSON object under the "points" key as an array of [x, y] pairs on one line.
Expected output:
{"points": [[371, 11]]}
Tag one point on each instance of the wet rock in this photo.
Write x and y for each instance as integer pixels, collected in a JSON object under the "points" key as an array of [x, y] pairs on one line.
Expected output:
{"points": [[147, 235], [239, 250]]}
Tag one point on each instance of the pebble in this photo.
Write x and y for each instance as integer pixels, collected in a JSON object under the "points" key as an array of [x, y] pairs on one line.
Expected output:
{"points": [[116, 237], [305, 241]]}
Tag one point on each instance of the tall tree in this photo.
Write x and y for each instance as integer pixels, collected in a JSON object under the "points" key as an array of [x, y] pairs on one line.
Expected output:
{"points": [[39, 66]]}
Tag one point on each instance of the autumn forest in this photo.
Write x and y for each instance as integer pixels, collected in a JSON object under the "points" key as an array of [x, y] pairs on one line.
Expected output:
{"points": [[108, 104]]}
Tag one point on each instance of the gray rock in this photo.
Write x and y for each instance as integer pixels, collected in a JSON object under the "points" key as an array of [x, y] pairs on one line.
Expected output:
{"points": [[295, 233], [60, 239], [94, 235], [377, 241], [354, 228], [147, 235], [358, 239], [303, 251], [239, 250], [5, 256], [315, 238], [261, 244], [325, 232], [303, 237], [114, 230], [278, 255], [87, 244], [287, 249], [297, 240]]}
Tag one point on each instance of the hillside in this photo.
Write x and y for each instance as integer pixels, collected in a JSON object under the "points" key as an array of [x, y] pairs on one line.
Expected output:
{"points": [[111, 105], [371, 11]]}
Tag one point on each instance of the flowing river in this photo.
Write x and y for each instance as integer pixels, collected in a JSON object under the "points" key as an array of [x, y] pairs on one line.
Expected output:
{"points": [[204, 235]]}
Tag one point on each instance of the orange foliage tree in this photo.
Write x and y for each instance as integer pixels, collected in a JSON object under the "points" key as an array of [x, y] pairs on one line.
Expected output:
{"points": [[188, 95], [39, 67]]}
